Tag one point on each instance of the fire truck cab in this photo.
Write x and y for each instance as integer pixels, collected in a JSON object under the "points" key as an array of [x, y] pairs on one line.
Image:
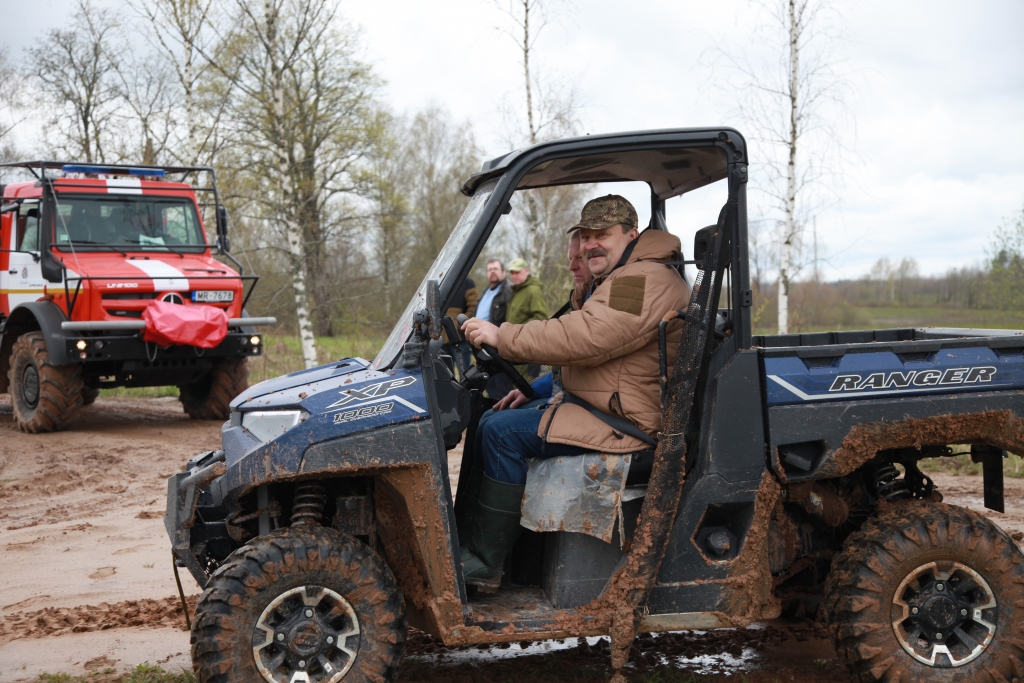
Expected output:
{"points": [[84, 251]]}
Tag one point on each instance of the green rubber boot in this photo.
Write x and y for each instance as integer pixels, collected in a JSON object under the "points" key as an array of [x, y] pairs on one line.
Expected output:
{"points": [[493, 532], [466, 498]]}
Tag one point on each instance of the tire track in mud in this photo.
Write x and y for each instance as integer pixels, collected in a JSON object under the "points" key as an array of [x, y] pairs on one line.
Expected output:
{"points": [[56, 621]]}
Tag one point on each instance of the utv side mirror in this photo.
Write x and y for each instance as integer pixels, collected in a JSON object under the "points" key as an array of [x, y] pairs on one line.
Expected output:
{"points": [[433, 309], [223, 241]]}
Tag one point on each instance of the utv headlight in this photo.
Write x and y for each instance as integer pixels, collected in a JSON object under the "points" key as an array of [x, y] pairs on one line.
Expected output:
{"points": [[267, 425]]}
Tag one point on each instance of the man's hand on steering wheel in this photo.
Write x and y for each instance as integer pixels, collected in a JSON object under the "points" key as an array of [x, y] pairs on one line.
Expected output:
{"points": [[484, 336], [480, 332]]}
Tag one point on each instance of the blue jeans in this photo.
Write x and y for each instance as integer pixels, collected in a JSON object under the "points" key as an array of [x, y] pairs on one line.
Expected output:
{"points": [[507, 438], [478, 443]]}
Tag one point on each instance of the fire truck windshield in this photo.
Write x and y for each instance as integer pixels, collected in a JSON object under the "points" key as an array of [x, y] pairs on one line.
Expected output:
{"points": [[122, 223]]}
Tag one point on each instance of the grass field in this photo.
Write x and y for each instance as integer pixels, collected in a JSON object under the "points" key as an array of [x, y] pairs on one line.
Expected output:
{"points": [[882, 317], [941, 317], [144, 673], [1013, 466]]}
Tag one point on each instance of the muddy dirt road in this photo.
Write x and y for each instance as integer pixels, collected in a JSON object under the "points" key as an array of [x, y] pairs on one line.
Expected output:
{"points": [[86, 582]]}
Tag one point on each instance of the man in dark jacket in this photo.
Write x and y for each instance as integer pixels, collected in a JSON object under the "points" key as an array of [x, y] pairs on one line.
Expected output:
{"points": [[493, 306]]}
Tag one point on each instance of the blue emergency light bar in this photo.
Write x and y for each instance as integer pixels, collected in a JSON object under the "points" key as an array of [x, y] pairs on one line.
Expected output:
{"points": [[113, 170]]}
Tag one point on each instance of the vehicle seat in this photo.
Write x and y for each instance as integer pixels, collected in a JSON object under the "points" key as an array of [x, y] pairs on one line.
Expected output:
{"points": [[701, 241]]}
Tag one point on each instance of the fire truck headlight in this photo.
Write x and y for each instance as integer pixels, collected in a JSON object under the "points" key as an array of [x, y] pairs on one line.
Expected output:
{"points": [[82, 345], [255, 340]]}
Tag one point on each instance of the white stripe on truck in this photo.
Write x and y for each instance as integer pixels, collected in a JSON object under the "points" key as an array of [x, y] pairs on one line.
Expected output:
{"points": [[166, 278], [124, 186]]}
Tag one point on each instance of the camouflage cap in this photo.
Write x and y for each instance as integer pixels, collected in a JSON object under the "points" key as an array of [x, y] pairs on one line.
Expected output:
{"points": [[517, 264], [606, 211]]}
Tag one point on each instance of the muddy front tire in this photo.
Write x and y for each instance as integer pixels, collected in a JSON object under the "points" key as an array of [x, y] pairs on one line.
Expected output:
{"points": [[929, 592], [301, 600], [209, 398], [44, 397]]}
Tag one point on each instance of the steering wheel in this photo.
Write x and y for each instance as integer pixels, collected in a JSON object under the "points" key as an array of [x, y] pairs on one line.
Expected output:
{"points": [[490, 357]]}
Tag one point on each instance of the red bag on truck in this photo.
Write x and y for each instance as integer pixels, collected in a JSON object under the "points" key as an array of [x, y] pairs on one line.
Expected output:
{"points": [[168, 324]]}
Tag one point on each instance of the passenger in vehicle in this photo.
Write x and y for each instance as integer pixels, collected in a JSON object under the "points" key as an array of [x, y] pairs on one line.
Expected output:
{"points": [[608, 351]]}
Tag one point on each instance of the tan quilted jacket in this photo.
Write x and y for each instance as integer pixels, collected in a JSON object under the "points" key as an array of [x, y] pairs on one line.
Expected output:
{"points": [[608, 349]]}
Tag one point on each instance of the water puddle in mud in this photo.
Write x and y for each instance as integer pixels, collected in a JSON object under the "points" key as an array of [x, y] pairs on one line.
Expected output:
{"points": [[681, 649]]}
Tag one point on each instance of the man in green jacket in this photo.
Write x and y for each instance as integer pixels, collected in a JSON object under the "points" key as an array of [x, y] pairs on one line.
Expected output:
{"points": [[527, 295]]}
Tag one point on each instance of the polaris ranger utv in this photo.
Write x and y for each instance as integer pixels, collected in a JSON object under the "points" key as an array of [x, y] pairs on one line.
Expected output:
{"points": [[786, 474], [84, 250]]}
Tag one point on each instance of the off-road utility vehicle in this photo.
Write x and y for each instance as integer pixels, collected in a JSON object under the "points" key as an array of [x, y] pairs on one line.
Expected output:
{"points": [[84, 250], [786, 475]]}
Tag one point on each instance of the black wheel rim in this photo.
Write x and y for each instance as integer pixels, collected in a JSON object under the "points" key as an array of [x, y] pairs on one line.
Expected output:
{"points": [[309, 633], [944, 614], [30, 385]]}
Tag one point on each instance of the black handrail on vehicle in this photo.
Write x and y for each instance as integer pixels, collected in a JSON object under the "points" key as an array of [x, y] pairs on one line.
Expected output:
{"points": [[42, 165], [123, 169], [117, 169], [79, 279]]}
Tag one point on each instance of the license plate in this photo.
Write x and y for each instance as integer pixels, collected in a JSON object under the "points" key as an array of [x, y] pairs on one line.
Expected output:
{"points": [[213, 296]]}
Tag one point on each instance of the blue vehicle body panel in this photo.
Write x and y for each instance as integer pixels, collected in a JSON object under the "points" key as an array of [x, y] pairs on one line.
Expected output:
{"points": [[886, 374], [334, 401]]}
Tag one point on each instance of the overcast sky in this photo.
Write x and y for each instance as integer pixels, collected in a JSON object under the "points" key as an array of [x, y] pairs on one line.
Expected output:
{"points": [[936, 124]]}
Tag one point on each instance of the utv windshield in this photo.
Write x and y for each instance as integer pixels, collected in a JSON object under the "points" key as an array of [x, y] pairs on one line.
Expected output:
{"points": [[403, 328], [127, 223]]}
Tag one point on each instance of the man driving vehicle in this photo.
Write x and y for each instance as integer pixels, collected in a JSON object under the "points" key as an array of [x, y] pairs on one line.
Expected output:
{"points": [[608, 351]]}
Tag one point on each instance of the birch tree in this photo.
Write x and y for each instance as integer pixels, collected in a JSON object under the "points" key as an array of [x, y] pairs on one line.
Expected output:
{"points": [[304, 115], [182, 30], [793, 101]]}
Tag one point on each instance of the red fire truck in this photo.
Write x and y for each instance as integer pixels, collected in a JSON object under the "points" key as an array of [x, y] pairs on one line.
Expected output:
{"points": [[84, 251]]}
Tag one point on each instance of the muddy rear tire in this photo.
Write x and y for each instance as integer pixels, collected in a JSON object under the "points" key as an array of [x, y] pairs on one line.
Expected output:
{"points": [[926, 582], [209, 398], [44, 397], [301, 599]]}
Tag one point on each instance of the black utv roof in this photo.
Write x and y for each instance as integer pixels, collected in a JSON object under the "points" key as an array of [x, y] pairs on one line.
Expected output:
{"points": [[669, 170]]}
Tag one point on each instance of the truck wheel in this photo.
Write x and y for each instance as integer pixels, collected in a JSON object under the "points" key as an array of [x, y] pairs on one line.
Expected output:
{"points": [[300, 604], [89, 395], [209, 398], [44, 397], [928, 592]]}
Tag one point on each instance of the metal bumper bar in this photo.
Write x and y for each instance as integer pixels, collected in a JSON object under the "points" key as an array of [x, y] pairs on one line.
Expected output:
{"points": [[103, 325]]}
